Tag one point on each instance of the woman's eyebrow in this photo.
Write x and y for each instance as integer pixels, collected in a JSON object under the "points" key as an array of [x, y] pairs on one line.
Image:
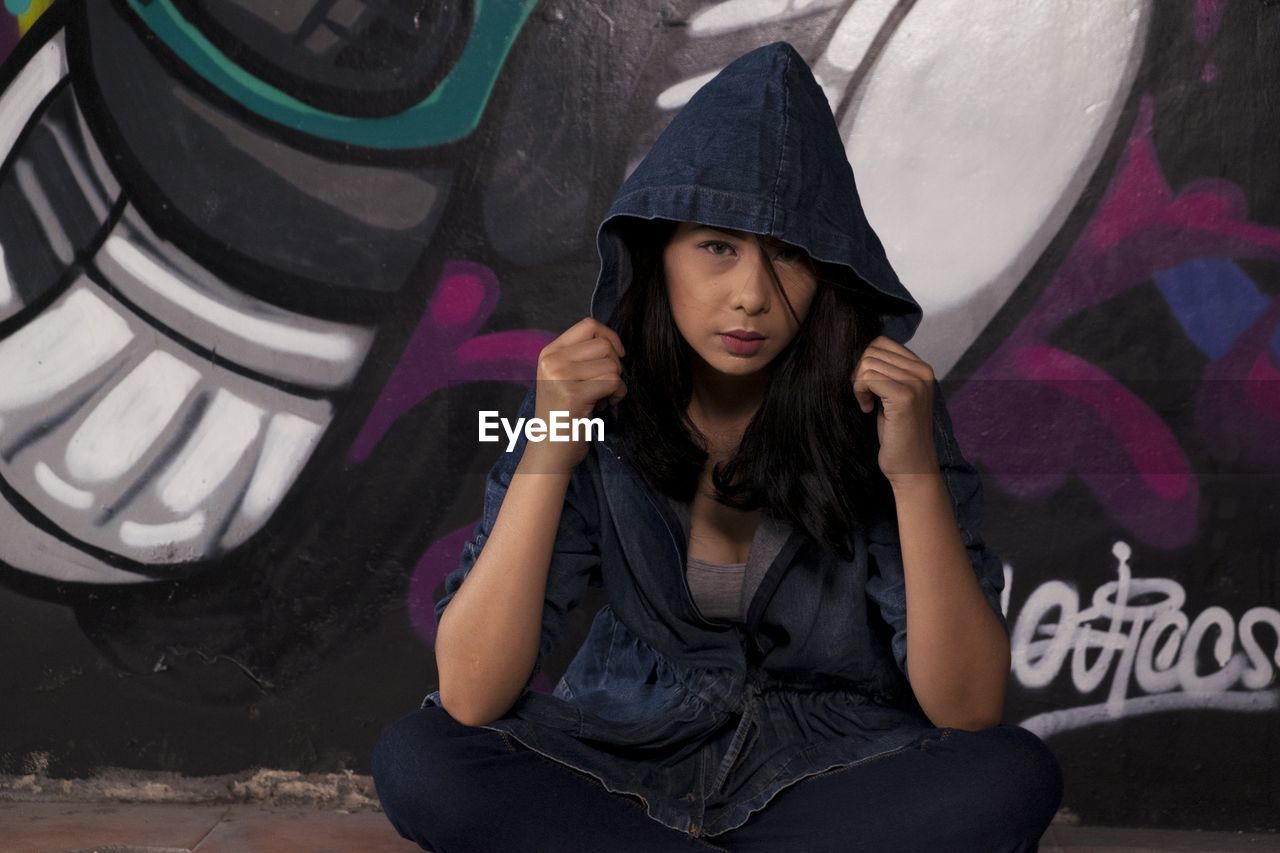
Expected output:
{"points": [[731, 232]]}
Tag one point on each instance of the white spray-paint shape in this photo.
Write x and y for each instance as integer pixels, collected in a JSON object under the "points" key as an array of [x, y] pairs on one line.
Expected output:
{"points": [[7, 291], [138, 535], [132, 415], [331, 345], [60, 490], [36, 80], [225, 432], [286, 446], [59, 348]]}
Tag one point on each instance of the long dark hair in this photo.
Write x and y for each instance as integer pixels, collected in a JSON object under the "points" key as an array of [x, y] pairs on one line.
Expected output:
{"points": [[808, 454]]}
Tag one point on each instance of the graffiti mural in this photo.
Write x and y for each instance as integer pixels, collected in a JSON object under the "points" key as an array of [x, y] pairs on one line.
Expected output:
{"points": [[261, 263]]}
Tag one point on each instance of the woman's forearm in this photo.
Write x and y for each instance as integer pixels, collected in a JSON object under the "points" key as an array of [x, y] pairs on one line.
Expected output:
{"points": [[957, 651], [487, 640]]}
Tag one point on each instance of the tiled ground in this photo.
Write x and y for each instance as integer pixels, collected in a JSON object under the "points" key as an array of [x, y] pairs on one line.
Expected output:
{"points": [[141, 828]]}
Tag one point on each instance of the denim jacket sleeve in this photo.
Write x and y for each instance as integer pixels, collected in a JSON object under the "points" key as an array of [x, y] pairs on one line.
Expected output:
{"points": [[575, 556], [886, 585]]}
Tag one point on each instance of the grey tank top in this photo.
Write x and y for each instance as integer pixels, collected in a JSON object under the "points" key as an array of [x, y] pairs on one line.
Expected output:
{"points": [[725, 590], [717, 588]]}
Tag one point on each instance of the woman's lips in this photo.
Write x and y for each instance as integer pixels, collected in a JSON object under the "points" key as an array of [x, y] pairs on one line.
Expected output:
{"points": [[742, 346]]}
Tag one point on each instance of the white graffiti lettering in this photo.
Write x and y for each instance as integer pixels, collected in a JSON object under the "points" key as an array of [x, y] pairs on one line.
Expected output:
{"points": [[1140, 634]]}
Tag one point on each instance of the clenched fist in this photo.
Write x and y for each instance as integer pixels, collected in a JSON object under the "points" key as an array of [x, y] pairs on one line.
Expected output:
{"points": [[579, 373]]}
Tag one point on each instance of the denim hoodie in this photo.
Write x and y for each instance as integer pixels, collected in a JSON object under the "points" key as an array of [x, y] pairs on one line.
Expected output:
{"points": [[704, 721]]}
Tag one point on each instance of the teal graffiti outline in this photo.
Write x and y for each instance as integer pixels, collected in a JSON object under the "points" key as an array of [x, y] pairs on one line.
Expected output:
{"points": [[450, 112]]}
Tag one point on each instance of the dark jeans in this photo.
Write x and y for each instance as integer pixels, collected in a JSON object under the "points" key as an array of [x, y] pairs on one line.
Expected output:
{"points": [[453, 788]]}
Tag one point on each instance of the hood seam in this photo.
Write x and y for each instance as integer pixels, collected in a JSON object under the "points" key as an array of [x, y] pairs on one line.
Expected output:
{"points": [[782, 155]]}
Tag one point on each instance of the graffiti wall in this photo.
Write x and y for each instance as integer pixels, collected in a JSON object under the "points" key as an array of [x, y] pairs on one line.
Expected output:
{"points": [[261, 263]]}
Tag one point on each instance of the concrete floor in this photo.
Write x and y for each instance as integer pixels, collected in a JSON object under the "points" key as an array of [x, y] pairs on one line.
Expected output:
{"points": [[27, 827]]}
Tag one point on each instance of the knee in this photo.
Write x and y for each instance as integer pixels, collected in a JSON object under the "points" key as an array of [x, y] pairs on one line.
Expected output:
{"points": [[393, 776], [411, 763], [1028, 785]]}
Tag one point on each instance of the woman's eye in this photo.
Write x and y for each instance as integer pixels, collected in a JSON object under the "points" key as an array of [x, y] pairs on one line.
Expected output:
{"points": [[791, 256], [712, 245]]}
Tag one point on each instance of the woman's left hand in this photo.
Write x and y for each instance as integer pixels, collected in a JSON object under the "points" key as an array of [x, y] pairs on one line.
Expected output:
{"points": [[903, 383]]}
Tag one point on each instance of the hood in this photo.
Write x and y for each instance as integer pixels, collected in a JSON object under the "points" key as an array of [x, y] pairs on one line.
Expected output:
{"points": [[756, 149]]}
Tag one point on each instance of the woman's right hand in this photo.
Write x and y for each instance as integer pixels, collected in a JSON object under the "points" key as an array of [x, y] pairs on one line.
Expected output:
{"points": [[578, 373]]}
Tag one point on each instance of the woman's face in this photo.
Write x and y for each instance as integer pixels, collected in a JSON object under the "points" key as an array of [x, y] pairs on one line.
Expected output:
{"points": [[718, 283]]}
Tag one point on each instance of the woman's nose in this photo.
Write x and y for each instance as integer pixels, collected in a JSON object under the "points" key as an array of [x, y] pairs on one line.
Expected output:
{"points": [[754, 287]]}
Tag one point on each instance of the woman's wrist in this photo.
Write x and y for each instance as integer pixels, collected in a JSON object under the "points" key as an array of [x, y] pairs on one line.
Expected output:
{"points": [[547, 458], [910, 488]]}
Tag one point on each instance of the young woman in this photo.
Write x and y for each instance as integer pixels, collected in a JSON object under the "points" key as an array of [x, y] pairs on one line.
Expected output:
{"points": [[778, 495]]}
